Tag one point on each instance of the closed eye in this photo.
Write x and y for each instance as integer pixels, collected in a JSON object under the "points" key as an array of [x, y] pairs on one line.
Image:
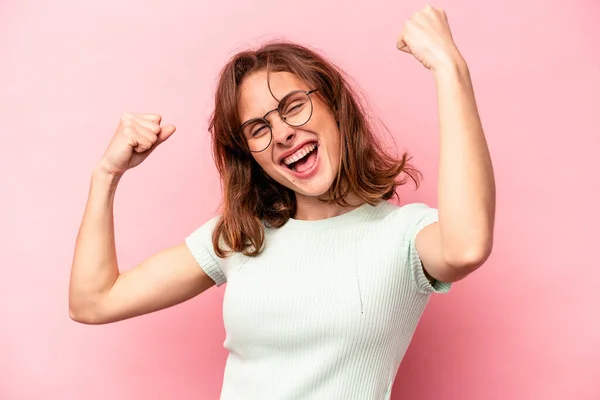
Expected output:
{"points": [[259, 131], [290, 111]]}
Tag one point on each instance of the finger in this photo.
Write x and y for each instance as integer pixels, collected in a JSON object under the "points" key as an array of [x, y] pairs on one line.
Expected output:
{"points": [[147, 134], [150, 117], [444, 14], [165, 133], [139, 141], [400, 42], [141, 148], [148, 125], [402, 46], [405, 49]]}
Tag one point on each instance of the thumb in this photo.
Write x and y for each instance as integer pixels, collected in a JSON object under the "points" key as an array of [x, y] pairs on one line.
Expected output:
{"points": [[165, 133], [401, 45]]}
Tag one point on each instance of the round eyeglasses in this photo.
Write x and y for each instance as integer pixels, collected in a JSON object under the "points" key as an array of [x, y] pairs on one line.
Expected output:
{"points": [[295, 109]]}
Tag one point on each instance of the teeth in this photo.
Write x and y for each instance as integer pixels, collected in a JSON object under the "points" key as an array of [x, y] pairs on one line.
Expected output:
{"points": [[299, 154]]}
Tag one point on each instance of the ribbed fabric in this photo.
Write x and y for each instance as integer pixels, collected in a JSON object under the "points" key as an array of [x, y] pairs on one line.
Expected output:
{"points": [[327, 310]]}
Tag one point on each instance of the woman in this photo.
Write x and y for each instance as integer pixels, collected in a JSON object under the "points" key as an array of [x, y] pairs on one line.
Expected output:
{"points": [[326, 279]]}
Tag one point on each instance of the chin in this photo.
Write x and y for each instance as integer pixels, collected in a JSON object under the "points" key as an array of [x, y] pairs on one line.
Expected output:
{"points": [[314, 189]]}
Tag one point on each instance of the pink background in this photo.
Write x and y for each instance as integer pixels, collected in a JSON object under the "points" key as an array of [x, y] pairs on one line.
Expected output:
{"points": [[525, 326]]}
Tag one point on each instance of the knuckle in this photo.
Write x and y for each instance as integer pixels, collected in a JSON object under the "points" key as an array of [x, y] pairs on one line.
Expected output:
{"points": [[126, 117]]}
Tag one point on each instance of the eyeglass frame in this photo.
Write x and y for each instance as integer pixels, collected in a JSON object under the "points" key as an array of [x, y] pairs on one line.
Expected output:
{"points": [[270, 126]]}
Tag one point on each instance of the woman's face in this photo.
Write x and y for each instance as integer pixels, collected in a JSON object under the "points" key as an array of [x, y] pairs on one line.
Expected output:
{"points": [[303, 158]]}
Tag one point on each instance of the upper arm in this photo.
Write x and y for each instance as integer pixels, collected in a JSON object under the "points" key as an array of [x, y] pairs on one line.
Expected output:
{"points": [[429, 249], [165, 279]]}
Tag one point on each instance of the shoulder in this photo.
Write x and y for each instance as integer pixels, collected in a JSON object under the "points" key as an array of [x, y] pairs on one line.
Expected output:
{"points": [[200, 244], [396, 222], [407, 216], [206, 228], [201, 236]]}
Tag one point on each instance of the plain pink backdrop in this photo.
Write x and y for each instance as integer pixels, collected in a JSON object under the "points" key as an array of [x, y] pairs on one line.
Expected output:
{"points": [[525, 326]]}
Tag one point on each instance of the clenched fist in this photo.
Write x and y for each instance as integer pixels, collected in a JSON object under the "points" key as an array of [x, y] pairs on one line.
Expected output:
{"points": [[136, 137], [427, 36]]}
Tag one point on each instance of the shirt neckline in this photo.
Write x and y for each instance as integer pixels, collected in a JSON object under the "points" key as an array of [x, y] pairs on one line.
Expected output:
{"points": [[355, 215]]}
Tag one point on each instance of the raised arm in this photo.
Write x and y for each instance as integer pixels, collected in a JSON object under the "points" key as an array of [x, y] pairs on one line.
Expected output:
{"points": [[98, 292], [462, 240]]}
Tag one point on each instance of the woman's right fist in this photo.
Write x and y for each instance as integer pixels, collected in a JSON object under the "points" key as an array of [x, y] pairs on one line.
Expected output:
{"points": [[136, 137]]}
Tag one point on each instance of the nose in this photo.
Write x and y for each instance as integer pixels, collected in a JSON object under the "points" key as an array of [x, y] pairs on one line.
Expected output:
{"points": [[282, 133]]}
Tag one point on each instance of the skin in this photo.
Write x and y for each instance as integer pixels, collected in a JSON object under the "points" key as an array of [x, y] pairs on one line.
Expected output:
{"points": [[462, 240], [255, 101], [450, 250]]}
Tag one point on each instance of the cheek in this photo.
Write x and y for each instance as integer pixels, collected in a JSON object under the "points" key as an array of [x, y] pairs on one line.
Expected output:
{"points": [[333, 140], [265, 162]]}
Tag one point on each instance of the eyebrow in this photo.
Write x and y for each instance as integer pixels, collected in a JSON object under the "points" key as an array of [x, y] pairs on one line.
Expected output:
{"points": [[256, 119]]}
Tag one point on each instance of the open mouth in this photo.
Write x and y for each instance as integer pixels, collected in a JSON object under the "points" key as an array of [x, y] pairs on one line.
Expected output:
{"points": [[303, 159]]}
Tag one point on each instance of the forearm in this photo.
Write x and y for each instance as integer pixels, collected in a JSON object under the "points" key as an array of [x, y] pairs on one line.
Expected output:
{"points": [[95, 267], [466, 189]]}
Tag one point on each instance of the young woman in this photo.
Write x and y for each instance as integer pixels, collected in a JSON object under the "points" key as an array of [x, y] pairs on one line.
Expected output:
{"points": [[327, 280]]}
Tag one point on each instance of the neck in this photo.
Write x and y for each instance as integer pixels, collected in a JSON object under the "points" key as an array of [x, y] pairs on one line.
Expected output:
{"points": [[311, 208]]}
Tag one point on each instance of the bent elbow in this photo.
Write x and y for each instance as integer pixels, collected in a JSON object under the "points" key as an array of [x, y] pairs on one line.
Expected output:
{"points": [[83, 313], [78, 315], [470, 259]]}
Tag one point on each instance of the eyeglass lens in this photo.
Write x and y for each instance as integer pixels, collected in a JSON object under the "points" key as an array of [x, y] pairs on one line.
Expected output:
{"points": [[295, 109]]}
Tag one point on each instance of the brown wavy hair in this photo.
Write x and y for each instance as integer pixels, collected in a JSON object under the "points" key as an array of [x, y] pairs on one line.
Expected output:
{"points": [[250, 196]]}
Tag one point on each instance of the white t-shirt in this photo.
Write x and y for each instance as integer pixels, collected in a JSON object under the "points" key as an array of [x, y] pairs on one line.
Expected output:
{"points": [[329, 307]]}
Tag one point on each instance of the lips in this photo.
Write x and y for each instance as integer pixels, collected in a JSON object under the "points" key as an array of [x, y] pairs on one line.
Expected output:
{"points": [[292, 151], [300, 154]]}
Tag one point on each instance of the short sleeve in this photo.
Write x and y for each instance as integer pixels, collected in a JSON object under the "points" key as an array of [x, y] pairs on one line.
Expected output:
{"points": [[200, 244], [418, 216]]}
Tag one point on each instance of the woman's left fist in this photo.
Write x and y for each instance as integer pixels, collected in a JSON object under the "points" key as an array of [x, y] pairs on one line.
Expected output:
{"points": [[426, 35]]}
